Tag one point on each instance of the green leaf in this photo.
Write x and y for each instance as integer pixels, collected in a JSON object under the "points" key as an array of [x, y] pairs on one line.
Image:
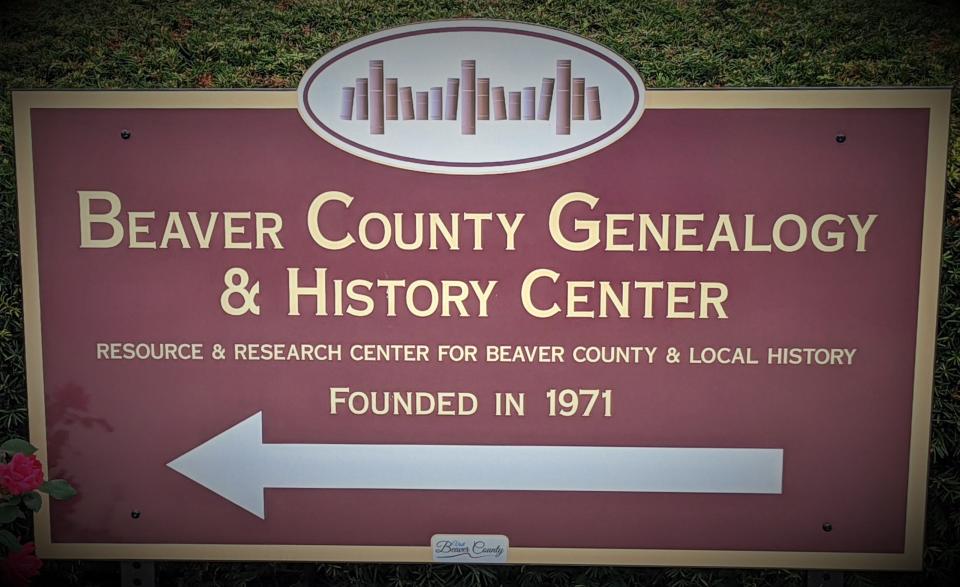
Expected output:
{"points": [[58, 489], [9, 513], [9, 541], [33, 501], [18, 445]]}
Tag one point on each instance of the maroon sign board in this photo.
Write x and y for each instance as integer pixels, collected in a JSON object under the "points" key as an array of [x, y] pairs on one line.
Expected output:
{"points": [[532, 302]]}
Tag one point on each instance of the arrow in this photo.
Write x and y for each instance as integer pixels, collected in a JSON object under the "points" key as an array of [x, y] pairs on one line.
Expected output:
{"points": [[238, 466]]}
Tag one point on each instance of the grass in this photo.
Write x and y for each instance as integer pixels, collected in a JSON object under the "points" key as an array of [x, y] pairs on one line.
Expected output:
{"points": [[247, 43]]}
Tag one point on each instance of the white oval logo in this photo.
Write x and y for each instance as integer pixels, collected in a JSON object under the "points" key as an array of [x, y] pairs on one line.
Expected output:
{"points": [[471, 97]]}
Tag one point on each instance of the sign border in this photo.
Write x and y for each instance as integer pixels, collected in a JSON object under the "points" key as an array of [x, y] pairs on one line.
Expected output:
{"points": [[935, 100], [543, 32]]}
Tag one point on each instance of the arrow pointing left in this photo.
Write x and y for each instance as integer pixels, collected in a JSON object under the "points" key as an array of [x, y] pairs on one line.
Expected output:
{"points": [[237, 465]]}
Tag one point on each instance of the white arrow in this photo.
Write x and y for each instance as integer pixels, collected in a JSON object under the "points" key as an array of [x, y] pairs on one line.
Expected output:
{"points": [[238, 466]]}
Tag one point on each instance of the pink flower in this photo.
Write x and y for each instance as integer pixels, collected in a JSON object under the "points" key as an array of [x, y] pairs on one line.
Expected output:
{"points": [[22, 474], [19, 566]]}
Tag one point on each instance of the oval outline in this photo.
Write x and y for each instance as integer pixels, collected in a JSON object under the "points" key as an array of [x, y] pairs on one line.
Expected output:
{"points": [[566, 155]]}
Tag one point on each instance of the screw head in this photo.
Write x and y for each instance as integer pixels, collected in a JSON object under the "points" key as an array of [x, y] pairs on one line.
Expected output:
{"points": [[827, 527], [841, 138], [124, 134], [135, 514]]}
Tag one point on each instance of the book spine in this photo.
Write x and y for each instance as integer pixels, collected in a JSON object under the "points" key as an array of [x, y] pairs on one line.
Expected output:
{"points": [[546, 98], [578, 85], [376, 97], [453, 91], [421, 105], [593, 102], [406, 102], [360, 98], [563, 96], [468, 97], [528, 110], [513, 106], [499, 104], [346, 103], [436, 103], [391, 96], [483, 98]]}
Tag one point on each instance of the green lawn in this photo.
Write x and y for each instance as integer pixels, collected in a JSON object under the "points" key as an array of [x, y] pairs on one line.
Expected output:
{"points": [[155, 44]]}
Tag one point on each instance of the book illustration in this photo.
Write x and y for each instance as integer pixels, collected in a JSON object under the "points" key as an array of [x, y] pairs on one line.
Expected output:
{"points": [[546, 98], [453, 90], [483, 98], [468, 98], [563, 96], [499, 104], [528, 108], [406, 102], [577, 108], [391, 98], [360, 101], [346, 103], [593, 102], [421, 106], [436, 103], [376, 98], [513, 106]]}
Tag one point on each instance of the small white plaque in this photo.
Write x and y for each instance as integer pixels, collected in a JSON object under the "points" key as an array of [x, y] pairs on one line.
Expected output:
{"points": [[469, 548]]}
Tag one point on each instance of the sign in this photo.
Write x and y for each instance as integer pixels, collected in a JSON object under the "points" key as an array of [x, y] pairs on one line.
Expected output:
{"points": [[474, 292], [469, 549]]}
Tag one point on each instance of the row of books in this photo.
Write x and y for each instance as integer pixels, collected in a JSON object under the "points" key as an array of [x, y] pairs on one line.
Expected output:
{"points": [[469, 99]]}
